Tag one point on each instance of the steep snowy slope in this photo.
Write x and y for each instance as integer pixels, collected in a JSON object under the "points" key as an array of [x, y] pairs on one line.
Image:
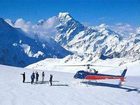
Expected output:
{"points": [[67, 28], [130, 48], [95, 40], [16, 49], [65, 90]]}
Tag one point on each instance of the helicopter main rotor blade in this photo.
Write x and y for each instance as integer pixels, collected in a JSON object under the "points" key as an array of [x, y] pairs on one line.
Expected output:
{"points": [[71, 65], [88, 65], [103, 66]]}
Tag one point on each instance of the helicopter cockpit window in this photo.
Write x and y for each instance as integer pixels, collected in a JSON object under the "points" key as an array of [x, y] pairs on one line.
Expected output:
{"points": [[80, 73]]}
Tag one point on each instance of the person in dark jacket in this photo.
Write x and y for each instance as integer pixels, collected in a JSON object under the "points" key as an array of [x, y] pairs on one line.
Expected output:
{"points": [[51, 77], [43, 75], [32, 78], [23, 75], [37, 76]]}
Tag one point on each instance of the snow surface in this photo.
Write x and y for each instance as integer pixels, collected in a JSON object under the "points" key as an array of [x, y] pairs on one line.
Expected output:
{"points": [[65, 90]]}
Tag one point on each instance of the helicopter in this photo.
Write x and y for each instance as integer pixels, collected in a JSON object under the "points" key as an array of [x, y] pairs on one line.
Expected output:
{"points": [[89, 75]]}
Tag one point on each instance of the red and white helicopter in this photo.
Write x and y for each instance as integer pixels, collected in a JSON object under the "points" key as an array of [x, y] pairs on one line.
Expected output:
{"points": [[89, 75]]}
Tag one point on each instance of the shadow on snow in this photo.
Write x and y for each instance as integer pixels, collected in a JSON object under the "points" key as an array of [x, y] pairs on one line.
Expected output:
{"points": [[47, 82], [125, 87]]}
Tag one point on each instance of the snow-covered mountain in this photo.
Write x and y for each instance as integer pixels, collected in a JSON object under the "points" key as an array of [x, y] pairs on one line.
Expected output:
{"points": [[67, 29], [93, 42], [17, 49], [98, 41], [87, 42]]}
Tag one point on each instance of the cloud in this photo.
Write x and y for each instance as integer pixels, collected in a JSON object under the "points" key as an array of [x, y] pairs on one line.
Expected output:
{"points": [[25, 26], [46, 27], [51, 22], [42, 29], [86, 23], [123, 29]]}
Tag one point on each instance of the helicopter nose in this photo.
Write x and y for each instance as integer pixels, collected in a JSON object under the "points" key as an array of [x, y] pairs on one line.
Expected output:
{"points": [[75, 76]]}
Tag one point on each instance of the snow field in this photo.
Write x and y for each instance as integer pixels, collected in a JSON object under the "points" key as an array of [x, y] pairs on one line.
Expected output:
{"points": [[65, 90]]}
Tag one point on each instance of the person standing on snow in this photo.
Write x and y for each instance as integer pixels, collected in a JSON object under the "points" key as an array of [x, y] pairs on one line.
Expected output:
{"points": [[43, 75], [23, 75], [32, 78], [51, 77], [37, 76]]}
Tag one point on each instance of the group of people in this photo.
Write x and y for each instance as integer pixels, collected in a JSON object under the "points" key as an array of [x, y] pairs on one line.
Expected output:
{"points": [[35, 77]]}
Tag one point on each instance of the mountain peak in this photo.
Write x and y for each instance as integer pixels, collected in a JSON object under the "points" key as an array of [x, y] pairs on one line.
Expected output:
{"points": [[63, 13], [64, 16]]}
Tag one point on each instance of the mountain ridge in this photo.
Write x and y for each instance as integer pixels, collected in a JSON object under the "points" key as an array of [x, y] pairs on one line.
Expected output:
{"points": [[86, 41], [18, 49]]}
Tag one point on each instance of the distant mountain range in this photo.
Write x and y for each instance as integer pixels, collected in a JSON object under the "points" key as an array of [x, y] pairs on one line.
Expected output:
{"points": [[23, 43]]}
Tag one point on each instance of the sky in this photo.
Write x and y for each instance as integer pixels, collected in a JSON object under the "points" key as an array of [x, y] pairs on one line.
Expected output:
{"points": [[90, 12]]}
